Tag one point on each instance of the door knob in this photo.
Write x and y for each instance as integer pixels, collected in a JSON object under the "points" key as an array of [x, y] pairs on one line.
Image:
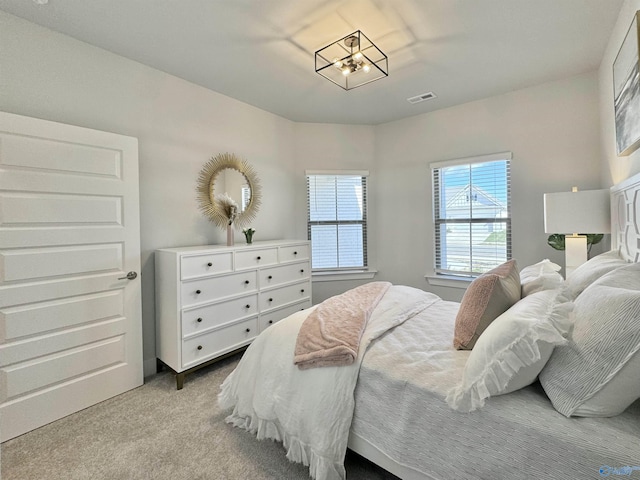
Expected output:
{"points": [[130, 276]]}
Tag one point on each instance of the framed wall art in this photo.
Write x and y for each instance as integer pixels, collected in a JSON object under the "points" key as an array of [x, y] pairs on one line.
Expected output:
{"points": [[626, 92]]}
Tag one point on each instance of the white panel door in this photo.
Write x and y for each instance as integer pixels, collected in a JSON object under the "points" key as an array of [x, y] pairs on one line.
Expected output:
{"points": [[70, 319]]}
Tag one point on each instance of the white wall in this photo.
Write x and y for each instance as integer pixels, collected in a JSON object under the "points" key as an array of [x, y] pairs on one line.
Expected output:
{"points": [[614, 168], [334, 147], [553, 132], [179, 127]]}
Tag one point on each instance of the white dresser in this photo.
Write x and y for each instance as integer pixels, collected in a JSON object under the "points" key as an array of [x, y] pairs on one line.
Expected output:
{"points": [[213, 300]]}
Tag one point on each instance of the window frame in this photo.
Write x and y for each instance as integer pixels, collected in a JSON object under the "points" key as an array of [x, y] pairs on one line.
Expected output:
{"points": [[436, 184], [327, 273]]}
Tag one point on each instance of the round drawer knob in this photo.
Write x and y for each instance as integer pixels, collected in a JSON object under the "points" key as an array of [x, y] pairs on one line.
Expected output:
{"points": [[271, 299], [199, 320], [199, 347], [209, 264], [302, 270], [248, 330], [198, 292], [270, 277], [302, 290], [270, 322], [247, 306], [246, 282], [258, 258], [295, 253]]}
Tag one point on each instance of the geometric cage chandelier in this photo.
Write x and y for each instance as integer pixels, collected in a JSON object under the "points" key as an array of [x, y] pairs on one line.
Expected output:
{"points": [[352, 61]]}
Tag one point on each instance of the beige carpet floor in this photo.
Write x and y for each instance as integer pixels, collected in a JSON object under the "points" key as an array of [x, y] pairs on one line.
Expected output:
{"points": [[156, 432]]}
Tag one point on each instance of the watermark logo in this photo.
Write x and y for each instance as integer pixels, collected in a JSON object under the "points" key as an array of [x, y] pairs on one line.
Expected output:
{"points": [[606, 470]]}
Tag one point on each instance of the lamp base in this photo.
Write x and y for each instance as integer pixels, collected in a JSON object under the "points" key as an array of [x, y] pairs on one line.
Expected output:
{"points": [[575, 251]]}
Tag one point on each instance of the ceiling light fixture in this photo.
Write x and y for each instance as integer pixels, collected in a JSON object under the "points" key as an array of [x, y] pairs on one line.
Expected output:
{"points": [[352, 61]]}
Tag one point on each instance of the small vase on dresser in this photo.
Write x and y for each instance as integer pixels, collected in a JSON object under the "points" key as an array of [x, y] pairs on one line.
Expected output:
{"points": [[212, 301], [230, 235]]}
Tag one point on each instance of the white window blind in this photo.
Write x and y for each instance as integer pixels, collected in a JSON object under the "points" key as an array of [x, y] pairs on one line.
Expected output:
{"points": [[337, 220], [472, 214]]}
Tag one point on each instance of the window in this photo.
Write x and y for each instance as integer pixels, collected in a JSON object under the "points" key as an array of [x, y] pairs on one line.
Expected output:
{"points": [[337, 219], [472, 214], [246, 196]]}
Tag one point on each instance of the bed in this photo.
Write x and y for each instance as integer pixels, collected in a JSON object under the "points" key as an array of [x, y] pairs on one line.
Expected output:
{"points": [[414, 404]]}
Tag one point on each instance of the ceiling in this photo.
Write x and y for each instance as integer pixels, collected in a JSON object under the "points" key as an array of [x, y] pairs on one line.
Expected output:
{"points": [[261, 52]]}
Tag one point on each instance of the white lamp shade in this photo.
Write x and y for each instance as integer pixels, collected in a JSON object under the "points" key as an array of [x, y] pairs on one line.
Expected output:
{"points": [[583, 212]]}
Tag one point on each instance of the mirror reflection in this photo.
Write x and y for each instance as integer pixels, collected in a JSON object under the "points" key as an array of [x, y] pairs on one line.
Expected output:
{"points": [[234, 184]]}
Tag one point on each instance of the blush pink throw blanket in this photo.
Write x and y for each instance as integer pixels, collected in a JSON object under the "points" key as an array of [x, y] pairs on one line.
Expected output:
{"points": [[330, 335]]}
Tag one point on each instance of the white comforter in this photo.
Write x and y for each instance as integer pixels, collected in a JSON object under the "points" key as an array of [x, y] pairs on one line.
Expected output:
{"points": [[402, 422], [309, 411]]}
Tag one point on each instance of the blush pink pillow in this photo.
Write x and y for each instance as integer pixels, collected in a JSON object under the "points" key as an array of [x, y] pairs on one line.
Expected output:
{"points": [[488, 297]]}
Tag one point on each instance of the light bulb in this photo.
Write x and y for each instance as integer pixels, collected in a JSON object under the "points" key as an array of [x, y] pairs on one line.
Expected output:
{"points": [[357, 56], [366, 67], [337, 63], [346, 71]]}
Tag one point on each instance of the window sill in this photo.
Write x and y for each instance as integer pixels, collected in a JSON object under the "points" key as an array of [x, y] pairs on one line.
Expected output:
{"points": [[333, 275], [449, 281]]}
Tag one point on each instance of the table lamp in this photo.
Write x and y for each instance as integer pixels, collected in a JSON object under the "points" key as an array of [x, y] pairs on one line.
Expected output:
{"points": [[575, 214]]}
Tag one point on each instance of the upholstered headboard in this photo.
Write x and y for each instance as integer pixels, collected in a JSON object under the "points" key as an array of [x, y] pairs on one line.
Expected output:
{"points": [[625, 218]]}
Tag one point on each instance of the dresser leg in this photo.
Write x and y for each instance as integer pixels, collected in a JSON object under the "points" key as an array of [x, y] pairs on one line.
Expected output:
{"points": [[179, 381]]}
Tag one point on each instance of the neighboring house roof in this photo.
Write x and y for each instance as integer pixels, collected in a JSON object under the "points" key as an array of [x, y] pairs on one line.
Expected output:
{"points": [[479, 198]]}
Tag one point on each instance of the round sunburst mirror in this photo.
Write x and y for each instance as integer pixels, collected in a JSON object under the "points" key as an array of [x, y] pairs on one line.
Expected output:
{"points": [[228, 191]]}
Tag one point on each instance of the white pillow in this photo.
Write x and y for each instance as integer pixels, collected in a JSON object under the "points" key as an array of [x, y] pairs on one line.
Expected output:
{"points": [[597, 374], [540, 276], [593, 269], [543, 266], [513, 349]]}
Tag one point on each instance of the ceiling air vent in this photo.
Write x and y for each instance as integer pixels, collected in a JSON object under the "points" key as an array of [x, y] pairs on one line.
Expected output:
{"points": [[422, 97]]}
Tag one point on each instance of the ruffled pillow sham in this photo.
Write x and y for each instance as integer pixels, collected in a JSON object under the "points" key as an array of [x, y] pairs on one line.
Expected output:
{"points": [[540, 276], [513, 349], [488, 296], [597, 374]]}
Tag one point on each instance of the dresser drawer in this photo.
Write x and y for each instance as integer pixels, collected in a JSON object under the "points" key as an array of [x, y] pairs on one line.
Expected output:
{"points": [[275, 316], [203, 347], [291, 253], [216, 288], [256, 258], [198, 320], [273, 276], [281, 296], [208, 264]]}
